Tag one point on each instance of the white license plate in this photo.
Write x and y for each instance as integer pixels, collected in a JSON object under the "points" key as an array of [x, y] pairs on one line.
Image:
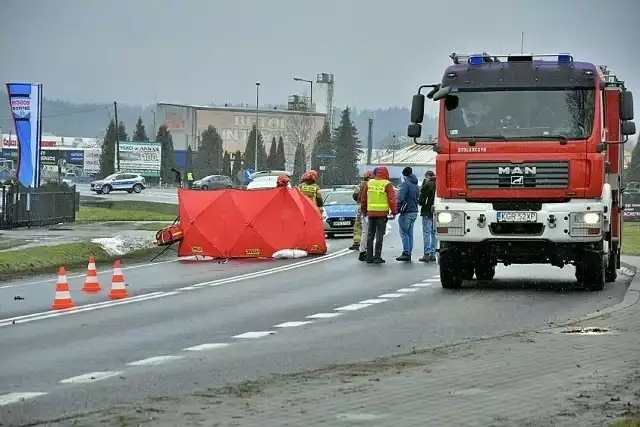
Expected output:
{"points": [[517, 216], [342, 223]]}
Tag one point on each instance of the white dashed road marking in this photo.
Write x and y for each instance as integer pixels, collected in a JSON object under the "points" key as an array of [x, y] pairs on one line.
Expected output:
{"points": [[323, 315], [391, 295], [423, 285], [352, 307], [188, 288], [437, 276], [431, 281], [91, 377], [259, 334], [205, 347], [8, 399], [373, 301], [153, 361], [407, 290], [293, 324]]}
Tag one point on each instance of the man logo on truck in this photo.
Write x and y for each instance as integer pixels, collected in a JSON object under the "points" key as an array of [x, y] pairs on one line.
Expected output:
{"points": [[527, 170]]}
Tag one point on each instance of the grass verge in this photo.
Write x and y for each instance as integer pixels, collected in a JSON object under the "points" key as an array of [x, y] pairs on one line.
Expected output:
{"points": [[11, 243], [631, 239], [95, 214], [627, 423], [47, 259]]}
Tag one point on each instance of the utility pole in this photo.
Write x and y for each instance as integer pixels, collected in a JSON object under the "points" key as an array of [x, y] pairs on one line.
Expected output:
{"points": [[257, 123], [522, 42], [115, 113]]}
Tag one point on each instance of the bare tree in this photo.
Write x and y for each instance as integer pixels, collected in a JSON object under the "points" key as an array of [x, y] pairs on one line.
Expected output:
{"points": [[299, 129]]}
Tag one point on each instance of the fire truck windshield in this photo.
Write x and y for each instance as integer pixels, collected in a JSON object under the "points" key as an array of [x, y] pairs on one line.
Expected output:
{"points": [[521, 114]]}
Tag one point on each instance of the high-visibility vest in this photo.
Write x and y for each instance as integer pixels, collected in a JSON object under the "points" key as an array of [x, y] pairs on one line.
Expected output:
{"points": [[309, 190], [377, 200], [189, 176]]}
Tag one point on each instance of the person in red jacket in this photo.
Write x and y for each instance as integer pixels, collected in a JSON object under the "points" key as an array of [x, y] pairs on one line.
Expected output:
{"points": [[378, 198]]}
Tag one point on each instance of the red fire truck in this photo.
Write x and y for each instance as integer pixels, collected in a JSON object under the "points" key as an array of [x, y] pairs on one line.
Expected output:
{"points": [[529, 165]]}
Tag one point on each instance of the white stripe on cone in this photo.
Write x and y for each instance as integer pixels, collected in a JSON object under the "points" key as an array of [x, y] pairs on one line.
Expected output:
{"points": [[63, 295]]}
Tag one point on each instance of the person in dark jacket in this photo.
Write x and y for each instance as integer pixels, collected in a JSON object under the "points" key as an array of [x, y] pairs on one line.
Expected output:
{"points": [[427, 197], [377, 199], [408, 208]]}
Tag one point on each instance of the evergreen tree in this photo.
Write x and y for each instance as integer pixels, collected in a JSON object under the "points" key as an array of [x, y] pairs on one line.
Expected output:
{"points": [[167, 154], [299, 163], [348, 150], [632, 172], [250, 150], [140, 134], [226, 164], [323, 145], [122, 132], [208, 159], [188, 162], [281, 160], [107, 160], [271, 158], [237, 166]]}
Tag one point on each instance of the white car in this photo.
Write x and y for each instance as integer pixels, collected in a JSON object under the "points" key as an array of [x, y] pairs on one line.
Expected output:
{"points": [[123, 181], [264, 182]]}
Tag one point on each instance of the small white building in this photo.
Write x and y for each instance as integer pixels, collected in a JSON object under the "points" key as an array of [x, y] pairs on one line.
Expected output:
{"points": [[420, 158]]}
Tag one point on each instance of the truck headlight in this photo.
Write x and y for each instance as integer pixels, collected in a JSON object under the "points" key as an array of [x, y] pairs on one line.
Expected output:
{"points": [[444, 217], [450, 223], [591, 218]]}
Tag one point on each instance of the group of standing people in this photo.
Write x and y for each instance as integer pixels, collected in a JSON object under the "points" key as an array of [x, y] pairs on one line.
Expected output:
{"points": [[378, 203]]}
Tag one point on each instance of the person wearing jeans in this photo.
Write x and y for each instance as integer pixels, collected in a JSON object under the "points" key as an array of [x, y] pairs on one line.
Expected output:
{"points": [[408, 208], [427, 196]]}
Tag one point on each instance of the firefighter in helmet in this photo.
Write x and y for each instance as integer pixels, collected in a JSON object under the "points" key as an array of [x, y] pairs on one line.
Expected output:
{"points": [[309, 188], [283, 181]]}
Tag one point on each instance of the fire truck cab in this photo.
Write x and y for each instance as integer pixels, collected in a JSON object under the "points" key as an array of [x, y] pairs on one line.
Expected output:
{"points": [[529, 165]]}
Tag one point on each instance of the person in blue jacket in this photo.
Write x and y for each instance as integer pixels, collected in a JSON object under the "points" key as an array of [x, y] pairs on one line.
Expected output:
{"points": [[408, 209]]}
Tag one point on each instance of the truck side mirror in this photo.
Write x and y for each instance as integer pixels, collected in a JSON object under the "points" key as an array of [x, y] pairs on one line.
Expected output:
{"points": [[628, 128], [414, 130], [626, 105], [417, 108], [441, 93]]}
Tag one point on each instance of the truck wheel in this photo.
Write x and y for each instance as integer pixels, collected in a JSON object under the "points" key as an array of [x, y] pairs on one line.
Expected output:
{"points": [[485, 273], [593, 272], [467, 274], [451, 276], [611, 274]]}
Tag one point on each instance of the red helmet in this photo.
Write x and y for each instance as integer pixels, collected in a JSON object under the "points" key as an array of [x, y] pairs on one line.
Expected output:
{"points": [[312, 175], [283, 181]]}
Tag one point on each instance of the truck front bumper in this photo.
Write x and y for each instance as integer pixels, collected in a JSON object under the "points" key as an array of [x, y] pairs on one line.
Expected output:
{"points": [[576, 221]]}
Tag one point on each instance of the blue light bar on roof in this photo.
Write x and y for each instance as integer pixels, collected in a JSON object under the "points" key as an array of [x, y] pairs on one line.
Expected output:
{"points": [[564, 58], [476, 60]]}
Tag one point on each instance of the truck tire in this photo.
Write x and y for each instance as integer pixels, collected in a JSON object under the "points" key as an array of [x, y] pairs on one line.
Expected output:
{"points": [[611, 273], [485, 273], [593, 272], [451, 275]]}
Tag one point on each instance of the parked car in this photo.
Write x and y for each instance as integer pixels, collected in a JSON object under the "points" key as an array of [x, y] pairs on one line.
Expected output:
{"points": [[264, 182], [122, 181], [339, 212], [213, 182]]}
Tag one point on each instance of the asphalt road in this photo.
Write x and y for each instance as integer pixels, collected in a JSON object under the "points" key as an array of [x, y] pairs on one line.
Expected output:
{"points": [[201, 330], [168, 195]]}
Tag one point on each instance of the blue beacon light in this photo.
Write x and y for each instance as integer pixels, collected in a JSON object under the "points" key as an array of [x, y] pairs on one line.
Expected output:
{"points": [[564, 58], [476, 60]]}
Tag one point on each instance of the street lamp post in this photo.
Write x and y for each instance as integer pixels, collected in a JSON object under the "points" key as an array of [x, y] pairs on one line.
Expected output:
{"points": [[298, 79], [257, 123]]}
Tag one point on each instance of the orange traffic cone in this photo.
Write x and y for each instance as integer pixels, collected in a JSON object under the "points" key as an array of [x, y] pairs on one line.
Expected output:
{"points": [[91, 284], [118, 290], [62, 299]]}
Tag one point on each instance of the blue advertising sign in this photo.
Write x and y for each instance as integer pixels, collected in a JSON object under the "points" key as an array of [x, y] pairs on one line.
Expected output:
{"points": [[26, 109], [75, 157]]}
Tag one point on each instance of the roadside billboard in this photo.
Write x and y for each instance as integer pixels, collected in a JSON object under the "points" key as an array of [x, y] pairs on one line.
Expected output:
{"points": [[91, 160], [140, 157], [234, 126]]}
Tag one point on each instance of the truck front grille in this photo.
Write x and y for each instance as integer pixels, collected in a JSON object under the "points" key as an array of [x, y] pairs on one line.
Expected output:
{"points": [[483, 175]]}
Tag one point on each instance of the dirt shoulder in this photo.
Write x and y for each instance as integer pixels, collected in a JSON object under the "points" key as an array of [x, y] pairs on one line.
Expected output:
{"points": [[554, 377]]}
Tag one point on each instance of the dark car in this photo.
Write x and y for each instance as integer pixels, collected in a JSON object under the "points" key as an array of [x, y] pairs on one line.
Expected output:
{"points": [[213, 182]]}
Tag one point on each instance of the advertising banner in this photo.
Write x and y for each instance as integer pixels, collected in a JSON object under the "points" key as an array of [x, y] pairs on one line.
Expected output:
{"points": [[631, 212], [75, 157], [140, 157], [26, 109], [91, 161]]}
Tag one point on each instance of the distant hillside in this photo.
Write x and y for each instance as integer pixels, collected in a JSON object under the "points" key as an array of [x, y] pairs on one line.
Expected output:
{"points": [[64, 118]]}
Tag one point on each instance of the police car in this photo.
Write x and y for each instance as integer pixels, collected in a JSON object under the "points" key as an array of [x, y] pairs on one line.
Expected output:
{"points": [[339, 212], [124, 181]]}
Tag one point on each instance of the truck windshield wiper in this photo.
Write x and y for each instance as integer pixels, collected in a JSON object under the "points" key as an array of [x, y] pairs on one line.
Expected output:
{"points": [[563, 139], [472, 139]]}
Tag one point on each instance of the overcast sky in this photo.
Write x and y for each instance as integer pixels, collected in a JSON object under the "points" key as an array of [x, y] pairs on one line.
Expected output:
{"points": [[203, 51]]}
